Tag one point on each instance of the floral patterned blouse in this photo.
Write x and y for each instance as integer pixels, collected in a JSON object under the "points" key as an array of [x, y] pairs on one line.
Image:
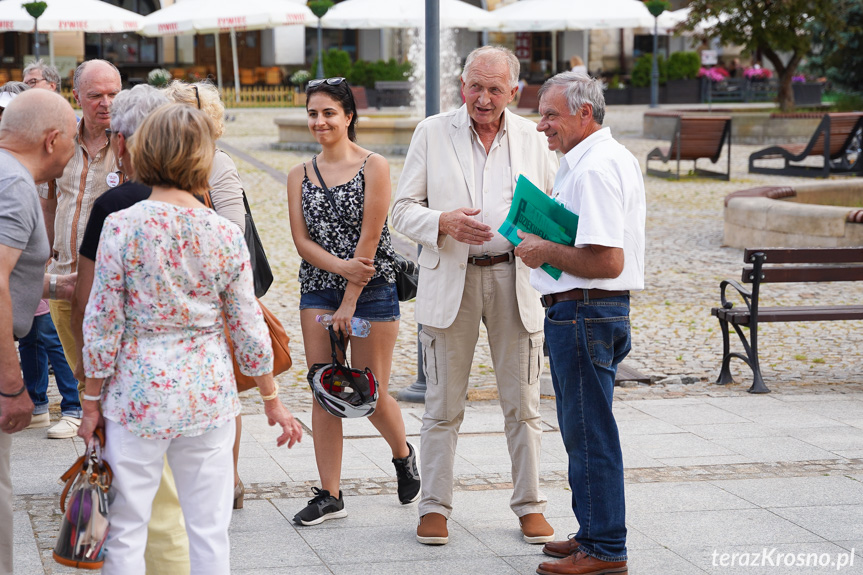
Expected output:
{"points": [[339, 233], [154, 325]]}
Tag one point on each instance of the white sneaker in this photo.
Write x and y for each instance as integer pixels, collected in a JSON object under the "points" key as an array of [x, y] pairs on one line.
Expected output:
{"points": [[67, 427], [41, 420]]}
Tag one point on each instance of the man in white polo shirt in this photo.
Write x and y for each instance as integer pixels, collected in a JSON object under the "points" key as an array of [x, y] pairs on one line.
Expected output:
{"points": [[587, 313]]}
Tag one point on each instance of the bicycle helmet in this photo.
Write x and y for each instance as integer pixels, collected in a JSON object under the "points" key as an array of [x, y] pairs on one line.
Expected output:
{"points": [[342, 391]]}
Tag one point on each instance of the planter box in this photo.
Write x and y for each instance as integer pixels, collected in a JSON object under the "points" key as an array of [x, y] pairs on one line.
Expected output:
{"points": [[682, 92], [807, 93], [642, 95], [618, 97]]}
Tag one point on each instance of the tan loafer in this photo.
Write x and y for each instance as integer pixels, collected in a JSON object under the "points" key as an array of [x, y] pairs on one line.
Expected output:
{"points": [[41, 420], [432, 529], [536, 529]]}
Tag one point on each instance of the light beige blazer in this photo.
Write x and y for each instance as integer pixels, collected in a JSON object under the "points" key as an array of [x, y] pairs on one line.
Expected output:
{"points": [[438, 177]]}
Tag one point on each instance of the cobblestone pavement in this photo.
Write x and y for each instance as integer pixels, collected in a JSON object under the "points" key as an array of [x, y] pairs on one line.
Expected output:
{"points": [[673, 335], [673, 331]]}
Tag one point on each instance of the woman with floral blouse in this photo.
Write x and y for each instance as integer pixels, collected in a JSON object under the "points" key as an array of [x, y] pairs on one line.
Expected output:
{"points": [[155, 354]]}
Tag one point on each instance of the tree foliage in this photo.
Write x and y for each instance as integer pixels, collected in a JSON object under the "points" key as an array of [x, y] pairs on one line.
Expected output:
{"points": [[35, 9], [839, 56], [779, 30]]}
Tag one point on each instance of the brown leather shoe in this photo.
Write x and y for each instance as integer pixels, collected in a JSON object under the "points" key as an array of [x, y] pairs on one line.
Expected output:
{"points": [[535, 529], [582, 564], [432, 529], [561, 548]]}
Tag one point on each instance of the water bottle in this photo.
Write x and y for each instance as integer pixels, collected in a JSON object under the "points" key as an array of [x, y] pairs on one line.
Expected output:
{"points": [[359, 327]]}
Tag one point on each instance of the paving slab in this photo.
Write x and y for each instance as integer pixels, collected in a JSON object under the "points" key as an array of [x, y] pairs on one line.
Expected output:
{"points": [[832, 522]]}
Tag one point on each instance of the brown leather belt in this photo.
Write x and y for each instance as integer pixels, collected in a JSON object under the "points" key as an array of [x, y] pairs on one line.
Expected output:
{"points": [[578, 294], [490, 260]]}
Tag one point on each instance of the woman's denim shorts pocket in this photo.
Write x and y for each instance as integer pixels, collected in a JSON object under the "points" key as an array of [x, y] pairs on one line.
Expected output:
{"points": [[378, 301]]}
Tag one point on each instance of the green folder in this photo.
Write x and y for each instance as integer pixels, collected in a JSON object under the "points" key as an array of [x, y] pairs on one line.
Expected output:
{"points": [[534, 212]]}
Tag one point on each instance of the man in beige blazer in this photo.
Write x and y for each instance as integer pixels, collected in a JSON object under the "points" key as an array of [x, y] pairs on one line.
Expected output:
{"points": [[453, 194]]}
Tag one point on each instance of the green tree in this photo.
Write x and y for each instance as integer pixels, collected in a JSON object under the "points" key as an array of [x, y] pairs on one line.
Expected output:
{"points": [[839, 56], [776, 29]]}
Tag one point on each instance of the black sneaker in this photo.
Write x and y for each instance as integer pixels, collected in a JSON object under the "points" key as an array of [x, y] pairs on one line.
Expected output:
{"points": [[321, 507], [409, 477]]}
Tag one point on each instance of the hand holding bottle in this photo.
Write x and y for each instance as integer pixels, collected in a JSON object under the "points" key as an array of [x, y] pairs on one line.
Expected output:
{"points": [[359, 327]]}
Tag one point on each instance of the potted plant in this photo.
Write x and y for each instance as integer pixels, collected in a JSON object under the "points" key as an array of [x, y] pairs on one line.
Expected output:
{"points": [[158, 77], [683, 86], [616, 94], [806, 93]]}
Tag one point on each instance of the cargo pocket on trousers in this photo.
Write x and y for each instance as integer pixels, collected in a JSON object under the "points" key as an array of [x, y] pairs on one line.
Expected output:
{"points": [[434, 356], [529, 404]]}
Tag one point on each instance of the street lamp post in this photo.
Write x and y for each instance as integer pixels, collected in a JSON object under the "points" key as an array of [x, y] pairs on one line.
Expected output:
{"points": [[319, 8], [35, 9], [417, 391], [656, 7]]}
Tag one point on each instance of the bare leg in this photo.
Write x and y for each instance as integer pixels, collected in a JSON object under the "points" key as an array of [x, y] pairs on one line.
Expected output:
{"points": [[376, 353], [239, 421], [326, 428]]}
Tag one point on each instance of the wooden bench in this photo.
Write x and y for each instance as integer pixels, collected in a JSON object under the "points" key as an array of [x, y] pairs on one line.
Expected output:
{"points": [[529, 98], [837, 138], [695, 137], [361, 99], [781, 265]]}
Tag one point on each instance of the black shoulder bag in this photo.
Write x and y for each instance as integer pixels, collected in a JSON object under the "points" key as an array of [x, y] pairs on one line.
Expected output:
{"points": [[407, 272]]}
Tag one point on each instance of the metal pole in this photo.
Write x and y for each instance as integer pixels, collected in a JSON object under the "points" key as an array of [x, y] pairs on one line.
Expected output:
{"points": [[654, 76], [36, 35], [417, 390], [432, 57], [236, 65], [218, 63], [320, 71]]}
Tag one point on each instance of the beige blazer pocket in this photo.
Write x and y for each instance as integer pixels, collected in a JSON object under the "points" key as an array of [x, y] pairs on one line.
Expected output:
{"points": [[429, 258]]}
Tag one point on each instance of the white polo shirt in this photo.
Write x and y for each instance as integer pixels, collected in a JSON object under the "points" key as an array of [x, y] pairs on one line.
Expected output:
{"points": [[601, 181]]}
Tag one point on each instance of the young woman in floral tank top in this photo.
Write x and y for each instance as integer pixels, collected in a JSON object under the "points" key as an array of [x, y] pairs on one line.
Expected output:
{"points": [[347, 271]]}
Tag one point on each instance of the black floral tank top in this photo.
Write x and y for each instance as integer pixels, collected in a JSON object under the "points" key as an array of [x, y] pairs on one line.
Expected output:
{"points": [[339, 233]]}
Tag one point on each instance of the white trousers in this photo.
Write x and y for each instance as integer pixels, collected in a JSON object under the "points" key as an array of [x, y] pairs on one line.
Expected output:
{"points": [[204, 474]]}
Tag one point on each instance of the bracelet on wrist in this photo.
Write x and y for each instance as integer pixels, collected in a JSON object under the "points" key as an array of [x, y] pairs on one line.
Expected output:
{"points": [[86, 397], [52, 286], [271, 396], [24, 388]]}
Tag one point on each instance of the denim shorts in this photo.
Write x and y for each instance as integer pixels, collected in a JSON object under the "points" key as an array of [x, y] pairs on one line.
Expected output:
{"points": [[378, 301]]}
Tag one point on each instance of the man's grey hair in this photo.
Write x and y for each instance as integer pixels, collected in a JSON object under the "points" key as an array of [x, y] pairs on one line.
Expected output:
{"points": [[579, 89], [14, 87], [49, 73], [130, 107], [79, 72], [498, 53]]}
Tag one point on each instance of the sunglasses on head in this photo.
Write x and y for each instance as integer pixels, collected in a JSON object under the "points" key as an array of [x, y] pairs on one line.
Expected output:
{"points": [[330, 81]]}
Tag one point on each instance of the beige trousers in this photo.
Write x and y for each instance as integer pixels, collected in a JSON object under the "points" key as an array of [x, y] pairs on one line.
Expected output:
{"points": [[167, 542], [489, 296], [5, 504]]}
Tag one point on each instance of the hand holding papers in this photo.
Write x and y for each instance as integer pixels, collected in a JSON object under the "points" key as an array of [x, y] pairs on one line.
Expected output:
{"points": [[534, 212]]}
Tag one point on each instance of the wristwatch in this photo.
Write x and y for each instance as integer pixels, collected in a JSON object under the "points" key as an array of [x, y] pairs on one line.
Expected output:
{"points": [[52, 287]]}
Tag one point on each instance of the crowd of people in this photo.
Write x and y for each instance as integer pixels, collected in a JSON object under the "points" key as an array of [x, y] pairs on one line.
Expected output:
{"points": [[146, 285]]}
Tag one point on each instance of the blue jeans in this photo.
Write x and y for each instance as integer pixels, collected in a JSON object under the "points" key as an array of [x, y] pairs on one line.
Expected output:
{"points": [[586, 341], [36, 349]]}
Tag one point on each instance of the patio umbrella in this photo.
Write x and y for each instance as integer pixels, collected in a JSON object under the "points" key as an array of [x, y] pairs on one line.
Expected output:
{"points": [[69, 16], [374, 14], [553, 15], [215, 16], [668, 21]]}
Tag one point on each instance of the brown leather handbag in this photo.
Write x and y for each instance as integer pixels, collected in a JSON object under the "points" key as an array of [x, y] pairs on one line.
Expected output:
{"points": [[281, 354]]}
